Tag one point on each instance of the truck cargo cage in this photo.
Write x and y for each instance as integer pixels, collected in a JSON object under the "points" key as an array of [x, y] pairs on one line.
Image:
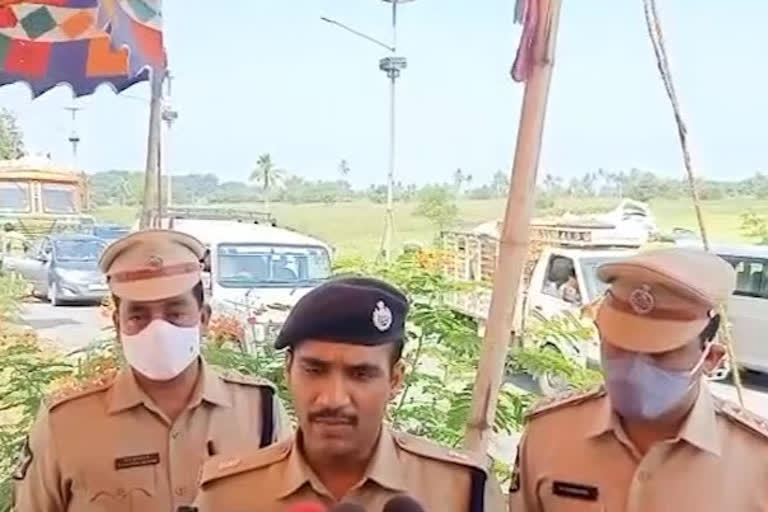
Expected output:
{"points": [[231, 214]]}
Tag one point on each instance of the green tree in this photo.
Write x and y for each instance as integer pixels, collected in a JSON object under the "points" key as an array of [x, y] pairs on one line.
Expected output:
{"points": [[755, 227], [11, 138], [267, 177], [344, 169], [438, 204]]}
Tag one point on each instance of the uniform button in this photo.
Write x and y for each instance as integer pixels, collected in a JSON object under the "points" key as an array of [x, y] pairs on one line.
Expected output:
{"points": [[644, 476], [121, 493], [175, 435], [180, 491]]}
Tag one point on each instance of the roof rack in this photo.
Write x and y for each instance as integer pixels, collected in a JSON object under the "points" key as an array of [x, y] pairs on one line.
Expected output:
{"points": [[245, 216]]}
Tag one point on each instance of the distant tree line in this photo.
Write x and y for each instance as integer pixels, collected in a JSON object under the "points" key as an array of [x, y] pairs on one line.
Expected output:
{"points": [[126, 188]]}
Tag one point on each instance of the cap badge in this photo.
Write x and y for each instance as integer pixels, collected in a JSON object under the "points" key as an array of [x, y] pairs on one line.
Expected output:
{"points": [[155, 261], [382, 316], [642, 301]]}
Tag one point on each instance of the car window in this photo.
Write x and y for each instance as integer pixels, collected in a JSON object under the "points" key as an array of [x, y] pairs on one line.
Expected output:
{"points": [[560, 280], [751, 276]]}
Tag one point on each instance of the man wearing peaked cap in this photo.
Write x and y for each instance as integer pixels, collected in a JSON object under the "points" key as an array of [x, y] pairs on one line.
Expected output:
{"points": [[654, 438], [344, 341], [137, 440]]}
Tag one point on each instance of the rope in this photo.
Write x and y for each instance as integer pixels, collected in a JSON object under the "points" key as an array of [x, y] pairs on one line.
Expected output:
{"points": [[656, 36]]}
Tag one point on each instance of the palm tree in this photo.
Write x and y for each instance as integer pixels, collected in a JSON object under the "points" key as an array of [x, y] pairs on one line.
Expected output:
{"points": [[344, 169], [267, 177], [458, 179]]}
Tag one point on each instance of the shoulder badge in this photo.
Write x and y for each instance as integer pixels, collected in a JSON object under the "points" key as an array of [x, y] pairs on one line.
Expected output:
{"points": [[223, 466], [741, 416], [74, 390], [565, 399], [234, 377], [424, 448]]}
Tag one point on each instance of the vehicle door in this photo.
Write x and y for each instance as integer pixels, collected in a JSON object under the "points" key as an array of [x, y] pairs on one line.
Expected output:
{"points": [[553, 291], [748, 311], [554, 288], [27, 264], [41, 269]]}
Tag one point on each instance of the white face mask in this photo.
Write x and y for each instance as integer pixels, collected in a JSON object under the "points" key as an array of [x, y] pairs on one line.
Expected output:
{"points": [[161, 351]]}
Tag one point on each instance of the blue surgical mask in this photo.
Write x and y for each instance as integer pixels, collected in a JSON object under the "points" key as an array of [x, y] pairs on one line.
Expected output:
{"points": [[641, 390]]}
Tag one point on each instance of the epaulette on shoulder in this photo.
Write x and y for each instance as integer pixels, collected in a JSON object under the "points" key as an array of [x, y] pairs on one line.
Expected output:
{"points": [[742, 417], [425, 448], [565, 399], [234, 377], [74, 391], [222, 466]]}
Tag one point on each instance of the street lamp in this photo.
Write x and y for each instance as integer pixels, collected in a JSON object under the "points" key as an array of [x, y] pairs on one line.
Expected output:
{"points": [[392, 66]]}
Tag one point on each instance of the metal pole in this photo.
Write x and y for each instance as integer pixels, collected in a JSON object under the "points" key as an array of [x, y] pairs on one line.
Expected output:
{"points": [[513, 248], [390, 215], [151, 191]]}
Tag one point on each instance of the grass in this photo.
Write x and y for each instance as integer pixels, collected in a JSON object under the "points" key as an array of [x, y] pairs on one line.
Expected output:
{"points": [[355, 228]]}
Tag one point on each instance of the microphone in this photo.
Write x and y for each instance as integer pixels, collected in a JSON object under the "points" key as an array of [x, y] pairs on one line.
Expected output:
{"points": [[347, 507], [402, 503], [308, 506]]}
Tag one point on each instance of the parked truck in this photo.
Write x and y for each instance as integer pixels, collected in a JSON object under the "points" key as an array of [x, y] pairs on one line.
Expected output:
{"points": [[560, 275]]}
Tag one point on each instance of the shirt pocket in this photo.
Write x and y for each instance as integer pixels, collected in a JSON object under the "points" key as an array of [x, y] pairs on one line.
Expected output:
{"points": [[570, 496], [125, 490]]}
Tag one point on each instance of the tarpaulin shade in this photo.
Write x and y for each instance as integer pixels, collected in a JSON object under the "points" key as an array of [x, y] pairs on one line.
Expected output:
{"points": [[83, 43]]}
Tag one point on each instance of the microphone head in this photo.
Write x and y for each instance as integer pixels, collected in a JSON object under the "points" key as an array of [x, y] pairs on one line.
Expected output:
{"points": [[308, 506], [347, 507], [402, 503]]}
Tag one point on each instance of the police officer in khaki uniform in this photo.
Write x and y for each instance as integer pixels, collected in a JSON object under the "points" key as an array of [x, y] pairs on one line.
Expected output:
{"points": [[654, 438], [343, 366], [136, 442]]}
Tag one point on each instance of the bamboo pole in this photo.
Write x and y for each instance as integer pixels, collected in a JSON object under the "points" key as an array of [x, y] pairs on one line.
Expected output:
{"points": [[513, 247], [151, 180]]}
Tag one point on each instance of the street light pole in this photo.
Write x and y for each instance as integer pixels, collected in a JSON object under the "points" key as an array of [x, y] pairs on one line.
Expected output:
{"points": [[392, 66]]}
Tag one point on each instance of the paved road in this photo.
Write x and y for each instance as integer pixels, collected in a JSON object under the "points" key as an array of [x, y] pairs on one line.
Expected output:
{"points": [[68, 328]]}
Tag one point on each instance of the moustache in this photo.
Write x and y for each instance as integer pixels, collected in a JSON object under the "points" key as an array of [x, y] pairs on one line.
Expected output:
{"points": [[332, 416]]}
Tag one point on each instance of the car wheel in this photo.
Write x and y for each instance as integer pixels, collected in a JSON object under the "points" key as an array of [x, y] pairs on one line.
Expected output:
{"points": [[53, 294], [551, 384]]}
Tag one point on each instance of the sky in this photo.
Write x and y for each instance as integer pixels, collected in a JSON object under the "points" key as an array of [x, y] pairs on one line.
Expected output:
{"points": [[269, 76]]}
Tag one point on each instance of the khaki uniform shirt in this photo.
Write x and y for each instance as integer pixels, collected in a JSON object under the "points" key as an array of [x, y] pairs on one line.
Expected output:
{"points": [[277, 477], [110, 449], [575, 456]]}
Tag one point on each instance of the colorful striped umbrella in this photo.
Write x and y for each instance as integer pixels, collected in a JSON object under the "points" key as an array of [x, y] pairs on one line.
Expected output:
{"points": [[82, 43]]}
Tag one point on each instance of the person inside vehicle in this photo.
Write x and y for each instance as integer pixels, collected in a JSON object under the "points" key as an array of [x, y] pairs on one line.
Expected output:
{"points": [[569, 290]]}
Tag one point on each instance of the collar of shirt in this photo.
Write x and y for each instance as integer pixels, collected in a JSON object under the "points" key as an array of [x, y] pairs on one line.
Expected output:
{"points": [[385, 468], [126, 393], [699, 428]]}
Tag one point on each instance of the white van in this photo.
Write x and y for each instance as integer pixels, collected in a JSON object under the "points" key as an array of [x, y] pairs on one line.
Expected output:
{"points": [[256, 271], [748, 307]]}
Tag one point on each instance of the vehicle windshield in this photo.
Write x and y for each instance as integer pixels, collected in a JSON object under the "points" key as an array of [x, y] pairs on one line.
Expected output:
{"points": [[14, 197], [594, 286], [261, 265], [110, 232], [79, 250], [58, 198]]}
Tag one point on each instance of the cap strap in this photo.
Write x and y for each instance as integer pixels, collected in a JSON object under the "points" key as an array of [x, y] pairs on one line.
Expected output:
{"points": [[676, 315], [153, 273]]}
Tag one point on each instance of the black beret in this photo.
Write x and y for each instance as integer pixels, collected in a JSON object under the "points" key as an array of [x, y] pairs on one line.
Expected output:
{"points": [[354, 310]]}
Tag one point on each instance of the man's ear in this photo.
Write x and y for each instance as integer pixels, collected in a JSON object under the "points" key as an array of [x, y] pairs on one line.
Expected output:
{"points": [[205, 318], [397, 379], [287, 365], [714, 358], [116, 321]]}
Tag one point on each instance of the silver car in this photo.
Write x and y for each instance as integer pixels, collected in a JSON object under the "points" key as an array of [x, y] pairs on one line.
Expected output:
{"points": [[64, 268]]}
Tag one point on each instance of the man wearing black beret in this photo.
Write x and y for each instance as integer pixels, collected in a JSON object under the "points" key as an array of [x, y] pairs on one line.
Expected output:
{"points": [[345, 340]]}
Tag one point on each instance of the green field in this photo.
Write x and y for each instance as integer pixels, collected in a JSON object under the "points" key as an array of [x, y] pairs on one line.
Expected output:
{"points": [[355, 228]]}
